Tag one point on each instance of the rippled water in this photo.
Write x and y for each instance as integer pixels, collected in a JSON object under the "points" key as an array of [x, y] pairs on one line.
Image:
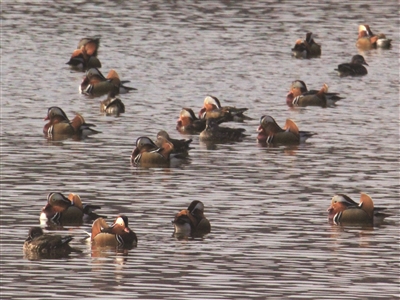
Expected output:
{"points": [[267, 205]]}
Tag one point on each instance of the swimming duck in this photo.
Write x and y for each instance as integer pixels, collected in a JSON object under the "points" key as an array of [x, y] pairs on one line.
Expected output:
{"points": [[40, 245], [271, 133], [147, 153], [367, 40], [62, 210], [85, 55], [307, 48], [112, 105], [117, 235], [191, 221], [90, 44], [214, 133], [300, 96], [181, 146], [344, 210], [59, 124], [354, 68], [95, 84], [212, 109], [190, 124]]}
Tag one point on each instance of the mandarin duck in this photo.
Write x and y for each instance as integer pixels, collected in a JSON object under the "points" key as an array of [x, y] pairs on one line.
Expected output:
{"points": [[191, 221], [271, 133], [117, 235]]}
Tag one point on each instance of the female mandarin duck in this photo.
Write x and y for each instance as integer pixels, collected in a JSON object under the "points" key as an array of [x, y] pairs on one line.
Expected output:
{"points": [[214, 133], [354, 68], [112, 105], [367, 40], [59, 124], [300, 96], [307, 48], [345, 210], [85, 56], [95, 84], [181, 146], [39, 245], [212, 109], [191, 221], [62, 210], [147, 153], [116, 235], [271, 133]]}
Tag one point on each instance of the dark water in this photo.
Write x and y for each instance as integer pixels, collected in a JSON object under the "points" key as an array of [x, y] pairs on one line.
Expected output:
{"points": [[267, 206]]}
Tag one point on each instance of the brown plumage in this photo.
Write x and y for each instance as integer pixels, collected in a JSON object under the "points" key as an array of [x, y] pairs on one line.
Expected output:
{"points": [[85, 56], [271, 133], [59, 124], [39, 245], [95, 84], [214, 133], [191, 221], [67, 211], [307, 48], [146, 153], [117, 235], [343, 210], [212, 109]]}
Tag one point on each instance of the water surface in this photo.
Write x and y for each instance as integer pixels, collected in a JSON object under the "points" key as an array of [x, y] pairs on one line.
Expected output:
{"points": [[267, 205]]}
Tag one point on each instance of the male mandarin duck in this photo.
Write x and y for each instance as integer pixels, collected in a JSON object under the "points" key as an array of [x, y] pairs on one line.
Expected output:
{"points": [[181, 146], [85, 56], [212, 109], [214, 133], [367, 40], [190, 124], [62, 210], [117, 235], [300, 96], [112, 105], [271, 133], [307, 48], [344, 210], [191, 221], [91, 45], [80, 60], [95, 84], [147, 153], [354, 68], [59, 124], [40, 245]]}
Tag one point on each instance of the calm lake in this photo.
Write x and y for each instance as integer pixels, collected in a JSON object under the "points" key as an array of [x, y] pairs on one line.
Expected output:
{"points": [[270, 236]]}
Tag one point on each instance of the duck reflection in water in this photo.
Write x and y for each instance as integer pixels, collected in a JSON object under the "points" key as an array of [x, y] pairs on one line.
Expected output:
{"points": [[191, 222]]}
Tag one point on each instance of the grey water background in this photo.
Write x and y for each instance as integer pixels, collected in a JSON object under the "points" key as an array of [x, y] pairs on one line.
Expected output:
{"points": [[267, 206]]}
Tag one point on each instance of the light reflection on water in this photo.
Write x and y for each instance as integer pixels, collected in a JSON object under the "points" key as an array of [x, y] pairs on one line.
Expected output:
{"points": [[267, 205]]}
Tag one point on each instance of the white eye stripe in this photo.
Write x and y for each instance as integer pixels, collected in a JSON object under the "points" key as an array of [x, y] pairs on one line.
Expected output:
{"points": [[137, 159]]}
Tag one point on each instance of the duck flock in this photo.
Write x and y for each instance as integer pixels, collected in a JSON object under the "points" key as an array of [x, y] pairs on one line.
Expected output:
{"points": [[69, 210]]}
